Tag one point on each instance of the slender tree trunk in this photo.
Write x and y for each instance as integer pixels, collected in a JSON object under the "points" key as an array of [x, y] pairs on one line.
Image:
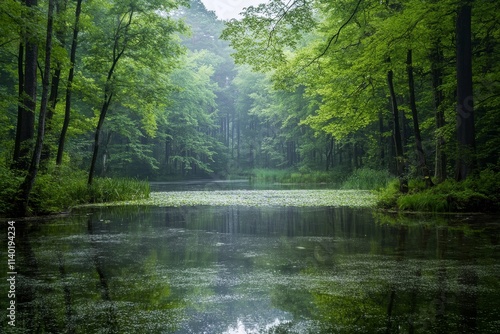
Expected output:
{"points": [[118, 51], [400, 163], [102, 116], [329, 155], [29, 181], [422, 163], [20, 106], [437, 80], [69, 85], [26, 114], [466, 160], [60, 6], [381, 139]]}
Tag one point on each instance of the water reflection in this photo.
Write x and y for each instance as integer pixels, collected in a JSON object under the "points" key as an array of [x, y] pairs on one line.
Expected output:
{"points": [[242, 184], [255, 270]]}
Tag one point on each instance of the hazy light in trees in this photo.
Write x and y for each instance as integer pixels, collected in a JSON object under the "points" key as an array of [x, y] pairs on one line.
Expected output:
{"points": [[230, 9]]}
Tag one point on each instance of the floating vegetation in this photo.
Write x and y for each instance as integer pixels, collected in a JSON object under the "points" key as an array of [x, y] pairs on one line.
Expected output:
{"points": [[300, 198]]}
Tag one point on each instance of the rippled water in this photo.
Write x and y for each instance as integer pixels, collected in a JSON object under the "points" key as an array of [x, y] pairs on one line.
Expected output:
{"points": [[254, 270]]}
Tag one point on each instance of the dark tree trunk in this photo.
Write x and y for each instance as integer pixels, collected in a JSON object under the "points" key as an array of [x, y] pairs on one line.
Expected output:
{"points": [[54, 87], [26, 114], [20, 107], [437, 80], [108, 93], [466, 160], [422, 163], [381, 139], [398, 142], [29, 180], [329, 155], [102, 116], [67, 110]]}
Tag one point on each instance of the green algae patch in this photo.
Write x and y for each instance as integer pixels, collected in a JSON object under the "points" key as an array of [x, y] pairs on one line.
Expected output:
{"points": [[300, 198]]}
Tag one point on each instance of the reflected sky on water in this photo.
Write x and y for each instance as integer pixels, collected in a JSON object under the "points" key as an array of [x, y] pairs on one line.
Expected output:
{"points": [[255, 270]]}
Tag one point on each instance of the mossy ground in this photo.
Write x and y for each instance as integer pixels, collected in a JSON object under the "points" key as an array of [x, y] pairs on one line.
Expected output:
{"points": [[476, 194]]}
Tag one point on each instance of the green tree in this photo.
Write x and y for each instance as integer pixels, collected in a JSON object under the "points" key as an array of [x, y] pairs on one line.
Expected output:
{"points": [[29, 180], [191, 118], [27, 77], [137, 31]]}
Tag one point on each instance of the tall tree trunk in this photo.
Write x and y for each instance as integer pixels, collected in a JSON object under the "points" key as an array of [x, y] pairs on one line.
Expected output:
{"points": [[102, 116], [381, 139], [29, 180], [422, 163], [466, 160], [400, 161], [118, 51], [437, 80], [69, 85], [54, 87], [20, 105], [26, 114]]}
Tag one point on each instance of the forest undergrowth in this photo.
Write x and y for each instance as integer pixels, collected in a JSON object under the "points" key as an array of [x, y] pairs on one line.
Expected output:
{"points": [[480, 193], [63, 187]]}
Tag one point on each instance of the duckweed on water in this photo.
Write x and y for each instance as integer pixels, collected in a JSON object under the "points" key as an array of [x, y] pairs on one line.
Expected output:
{"points": [[300, 198]]}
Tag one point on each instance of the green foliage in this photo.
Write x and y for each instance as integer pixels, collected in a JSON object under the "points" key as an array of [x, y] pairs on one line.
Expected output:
{"points": [[423, 202], [10, 182], [269, 175], [333, 178], [120, 189], [369, 179], [63, 187], [388, 196], [478, 194]]}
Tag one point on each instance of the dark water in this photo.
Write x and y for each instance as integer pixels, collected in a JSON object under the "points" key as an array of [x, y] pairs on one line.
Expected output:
{"points": [[253, 270]]}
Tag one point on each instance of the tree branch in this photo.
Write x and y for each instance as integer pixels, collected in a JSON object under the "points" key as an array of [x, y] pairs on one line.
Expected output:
{"points": [[335, 37]]}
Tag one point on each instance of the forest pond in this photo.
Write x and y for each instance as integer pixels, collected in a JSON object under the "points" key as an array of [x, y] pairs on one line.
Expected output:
{"points": [[238, 269]]}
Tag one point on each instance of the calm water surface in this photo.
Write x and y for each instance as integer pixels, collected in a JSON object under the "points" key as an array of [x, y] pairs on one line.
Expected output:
{"points": [[254, 270]]}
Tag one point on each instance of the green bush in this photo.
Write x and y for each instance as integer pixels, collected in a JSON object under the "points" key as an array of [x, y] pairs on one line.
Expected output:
{"points": [[302, 176], [10, 183], [113, 190], [368, 179], [387, 197], [475, 194], [269, 175], [61, 187], [423, 202]]}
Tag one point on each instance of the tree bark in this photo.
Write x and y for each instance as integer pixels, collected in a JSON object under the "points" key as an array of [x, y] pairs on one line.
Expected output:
{"points": [[422, 163], [400, 163], [108, 93], [30, 178], [20, 106], [436, 56], [25, 131], [69, 85], [60, 6], [102, 116], [466, 159]]}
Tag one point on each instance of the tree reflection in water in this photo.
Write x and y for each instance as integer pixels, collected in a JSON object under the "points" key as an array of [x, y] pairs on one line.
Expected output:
{"points": [[256, 270]]}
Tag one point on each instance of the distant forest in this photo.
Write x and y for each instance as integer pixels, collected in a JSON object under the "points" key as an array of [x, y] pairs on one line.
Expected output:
{"points": [[163, 90]]}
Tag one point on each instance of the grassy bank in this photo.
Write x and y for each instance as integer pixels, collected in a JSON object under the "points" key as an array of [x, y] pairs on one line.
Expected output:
{"points": [[476, 194], [363, 178], [61, 188]]}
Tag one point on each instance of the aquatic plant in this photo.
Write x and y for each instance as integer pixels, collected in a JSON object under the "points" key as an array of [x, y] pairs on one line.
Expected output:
{"points": [[301, 198]]}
